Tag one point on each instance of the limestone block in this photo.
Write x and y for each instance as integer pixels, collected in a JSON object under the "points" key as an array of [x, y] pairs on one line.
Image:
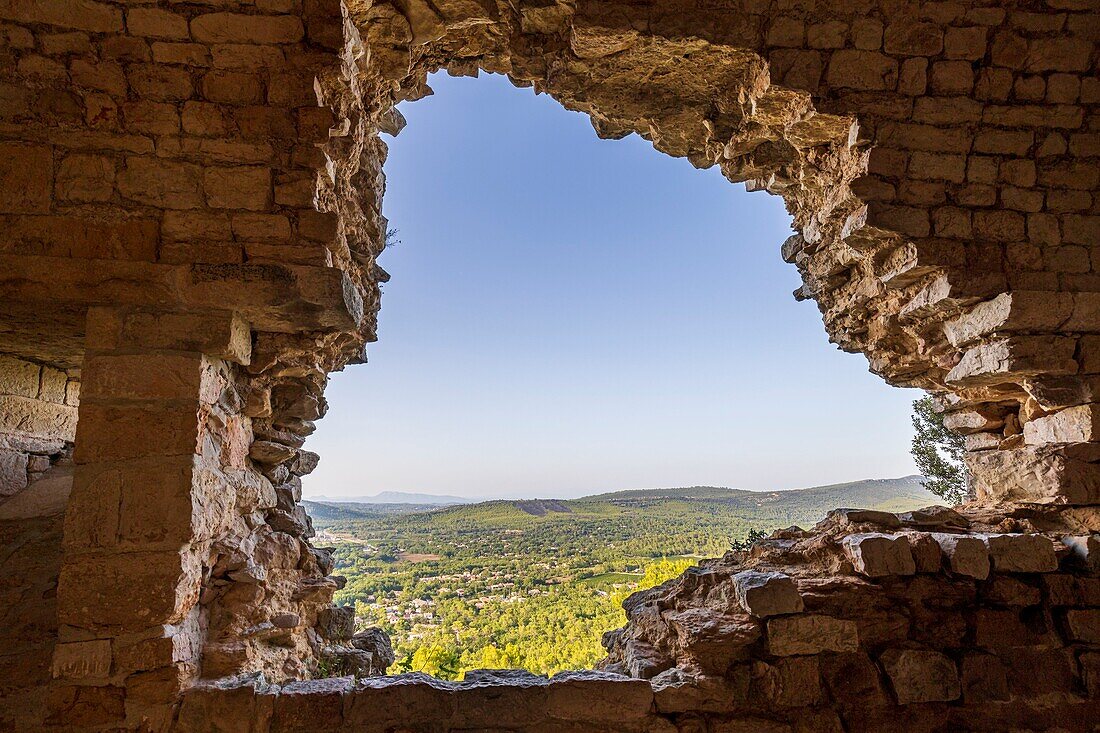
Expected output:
{"points": [[26, 178], [85, 178], [921, 676], [112, 433], [270, 453], [788, 682], [983, 679], [156, 23], [767, 594], [1022, 553], [414, 699], [1085, 549], [37, 417], [148, 376], [966, 422], [1014, 358], [1080, 424], [315, 705], [163, 183], [82, 660], [18, 377], [877, 555], [1083, 625], [966, 555], [1035, 474], [866, 70], [889, 520], [677, 691], [221, 334], [13, 472], [811, 634], [591, 695], [241, 187], [238, 28], [336, 623], [1019, 310], [160, 588], [927, 555]]}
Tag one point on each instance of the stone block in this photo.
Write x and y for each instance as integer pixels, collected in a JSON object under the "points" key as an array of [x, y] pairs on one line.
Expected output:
{"points": [[811, 634], [252, 29], [158, 588], [927, 555], [241, 187], [1022, 553], [18, 377], [115, 433], [966, 555], [1014, 358], [156, 23], [997, 629], [1080, 424], [1020, 310], [1085, 549], [148, 376], [37, 418], [13, 472], [315, 705], [677, 691], [878, 555], [863, 70], [414, 699], [26, 178], [163, 183], [921, 676], [786, 683], [598, 696], [1083, 625], [82, 660], [336, 623], [983, 679], [767, 594]]}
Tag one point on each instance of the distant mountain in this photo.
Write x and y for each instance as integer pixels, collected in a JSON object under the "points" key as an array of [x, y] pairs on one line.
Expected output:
{"points": [[395, 497], [687, 505], [887, 494]]}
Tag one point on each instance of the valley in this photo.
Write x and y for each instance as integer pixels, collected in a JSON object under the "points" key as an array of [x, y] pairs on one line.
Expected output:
{"points": [[535, 583]]}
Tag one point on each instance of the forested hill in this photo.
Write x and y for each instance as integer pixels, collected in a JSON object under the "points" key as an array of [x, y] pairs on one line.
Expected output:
{"points": [[774, 508]]}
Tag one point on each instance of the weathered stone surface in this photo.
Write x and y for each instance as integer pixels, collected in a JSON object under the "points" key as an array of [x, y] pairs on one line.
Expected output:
{"points": [[767, 594], [1022, 553], [878, 555], [811, 634], [921, 676], [966, 555]]}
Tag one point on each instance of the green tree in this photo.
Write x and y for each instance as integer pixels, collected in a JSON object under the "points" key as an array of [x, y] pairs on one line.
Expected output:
{"points": [[938, 453]]}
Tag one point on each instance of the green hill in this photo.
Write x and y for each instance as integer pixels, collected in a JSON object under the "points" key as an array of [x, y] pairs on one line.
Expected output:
{"points": [[535, 582]]}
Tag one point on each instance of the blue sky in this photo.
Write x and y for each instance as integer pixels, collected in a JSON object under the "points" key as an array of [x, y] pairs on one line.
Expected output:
{"points": [[570, 315]]}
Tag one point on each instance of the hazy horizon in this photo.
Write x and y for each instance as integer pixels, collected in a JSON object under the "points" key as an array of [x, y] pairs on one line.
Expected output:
{"points": [[511, 496], [570, 316]]}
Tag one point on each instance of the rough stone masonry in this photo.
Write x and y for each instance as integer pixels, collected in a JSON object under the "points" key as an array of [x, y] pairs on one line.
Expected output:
{"points": [[190, 195]]}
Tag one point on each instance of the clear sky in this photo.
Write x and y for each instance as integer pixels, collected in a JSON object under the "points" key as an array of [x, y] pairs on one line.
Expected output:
{"points": [[570, 315]]}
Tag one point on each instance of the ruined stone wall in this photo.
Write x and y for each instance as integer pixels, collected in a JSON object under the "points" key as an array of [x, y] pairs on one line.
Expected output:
{"points": [[191, 199], [37, 420], [161, 170], [927, 621]]}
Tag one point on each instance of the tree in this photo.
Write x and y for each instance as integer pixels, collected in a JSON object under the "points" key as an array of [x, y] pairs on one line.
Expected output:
{"points": [[938, 452]]}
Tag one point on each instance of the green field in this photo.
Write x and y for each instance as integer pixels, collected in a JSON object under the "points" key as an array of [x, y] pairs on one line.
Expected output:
{"points": [[535, 583]]}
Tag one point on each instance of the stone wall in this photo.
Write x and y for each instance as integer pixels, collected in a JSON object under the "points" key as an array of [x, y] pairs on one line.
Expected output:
{"points": [[191, 204], [927, 621], [37, 420]]}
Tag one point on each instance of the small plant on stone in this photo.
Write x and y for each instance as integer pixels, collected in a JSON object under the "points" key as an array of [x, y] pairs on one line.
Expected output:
{"points": [[938, 453], [753, 536]]}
